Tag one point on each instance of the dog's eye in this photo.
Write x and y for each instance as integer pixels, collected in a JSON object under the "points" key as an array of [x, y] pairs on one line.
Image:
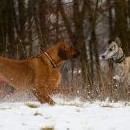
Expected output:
{"points": [[110, 49]]}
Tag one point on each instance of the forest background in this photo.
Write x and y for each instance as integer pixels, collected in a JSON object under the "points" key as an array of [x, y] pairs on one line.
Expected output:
{"points": [[28, 27]]}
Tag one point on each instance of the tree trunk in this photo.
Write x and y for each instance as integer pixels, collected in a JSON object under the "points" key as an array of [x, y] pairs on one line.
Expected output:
{"points": [[121, 24]]}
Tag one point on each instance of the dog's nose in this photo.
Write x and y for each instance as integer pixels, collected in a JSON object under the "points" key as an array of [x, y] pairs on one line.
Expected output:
{"points": [[103, 56]]}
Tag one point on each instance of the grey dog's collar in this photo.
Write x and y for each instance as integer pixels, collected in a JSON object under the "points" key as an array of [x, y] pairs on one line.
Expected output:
{"points": [[120, 60]]}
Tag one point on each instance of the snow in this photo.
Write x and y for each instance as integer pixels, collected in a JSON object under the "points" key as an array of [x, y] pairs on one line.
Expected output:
{"points": [[65, 115]]}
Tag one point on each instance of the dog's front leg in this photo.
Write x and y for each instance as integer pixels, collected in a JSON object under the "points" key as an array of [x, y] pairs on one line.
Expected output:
{"points": [[42, 95], [117, 78]]}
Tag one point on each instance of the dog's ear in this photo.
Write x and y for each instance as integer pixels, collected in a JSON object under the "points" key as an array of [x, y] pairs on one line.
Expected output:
{"points": [[62, 51], [62, 45], [109, 42], [118, 41]]}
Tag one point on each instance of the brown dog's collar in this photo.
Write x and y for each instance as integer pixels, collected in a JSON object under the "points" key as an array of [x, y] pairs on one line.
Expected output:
{"points": [[50, 59]]}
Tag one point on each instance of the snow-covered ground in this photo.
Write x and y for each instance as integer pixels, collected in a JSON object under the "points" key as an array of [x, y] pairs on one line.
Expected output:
{"points": [[65, 115]]}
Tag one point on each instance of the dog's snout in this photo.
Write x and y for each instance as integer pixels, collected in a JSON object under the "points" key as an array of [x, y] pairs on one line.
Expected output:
{"points": [[103, 56]]}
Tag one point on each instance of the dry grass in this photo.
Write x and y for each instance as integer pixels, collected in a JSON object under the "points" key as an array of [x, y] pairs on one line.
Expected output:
{"points": [[48, 128], [30, 105], [107, 106], [38, 114]]}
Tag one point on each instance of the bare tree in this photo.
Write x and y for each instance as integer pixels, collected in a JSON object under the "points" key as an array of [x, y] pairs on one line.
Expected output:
{"points": [[121, 24]]}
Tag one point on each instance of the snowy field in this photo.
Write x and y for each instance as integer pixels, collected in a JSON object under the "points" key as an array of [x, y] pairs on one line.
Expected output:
{"points": [[65, 115]]}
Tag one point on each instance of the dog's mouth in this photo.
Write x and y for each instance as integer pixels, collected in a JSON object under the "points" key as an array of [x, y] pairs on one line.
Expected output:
{"points": [[103, 57], [76, 54]]}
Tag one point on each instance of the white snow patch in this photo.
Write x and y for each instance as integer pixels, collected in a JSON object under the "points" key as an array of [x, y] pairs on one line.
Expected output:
{"points": [[65, 115]]}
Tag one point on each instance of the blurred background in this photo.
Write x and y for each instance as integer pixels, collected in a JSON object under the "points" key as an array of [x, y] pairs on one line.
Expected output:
{"points": [[28, 27]]}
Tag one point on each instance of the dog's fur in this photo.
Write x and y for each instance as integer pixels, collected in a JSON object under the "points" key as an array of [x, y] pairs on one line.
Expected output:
{"points": [[38, 74], [121, 63]]}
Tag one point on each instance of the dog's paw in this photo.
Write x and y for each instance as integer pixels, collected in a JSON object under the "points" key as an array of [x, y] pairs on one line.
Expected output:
{"points": [[51, 102]]}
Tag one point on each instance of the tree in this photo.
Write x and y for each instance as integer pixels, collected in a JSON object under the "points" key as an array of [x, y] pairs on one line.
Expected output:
{"points": [[121, 24]]}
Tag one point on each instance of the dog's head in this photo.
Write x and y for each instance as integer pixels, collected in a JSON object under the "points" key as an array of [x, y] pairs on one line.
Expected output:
{"points": [[112, 49], [66, 51]]}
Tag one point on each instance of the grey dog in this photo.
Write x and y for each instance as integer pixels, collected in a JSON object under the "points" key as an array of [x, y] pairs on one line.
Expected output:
{"points": [[121, 63]]}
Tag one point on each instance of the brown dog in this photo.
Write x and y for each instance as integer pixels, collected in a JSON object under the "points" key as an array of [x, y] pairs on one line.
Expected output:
{"points": [[40, 74]]}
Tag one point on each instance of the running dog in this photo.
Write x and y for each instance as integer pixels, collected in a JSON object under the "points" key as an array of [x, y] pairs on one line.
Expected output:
{"points": [[41, 74]]}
